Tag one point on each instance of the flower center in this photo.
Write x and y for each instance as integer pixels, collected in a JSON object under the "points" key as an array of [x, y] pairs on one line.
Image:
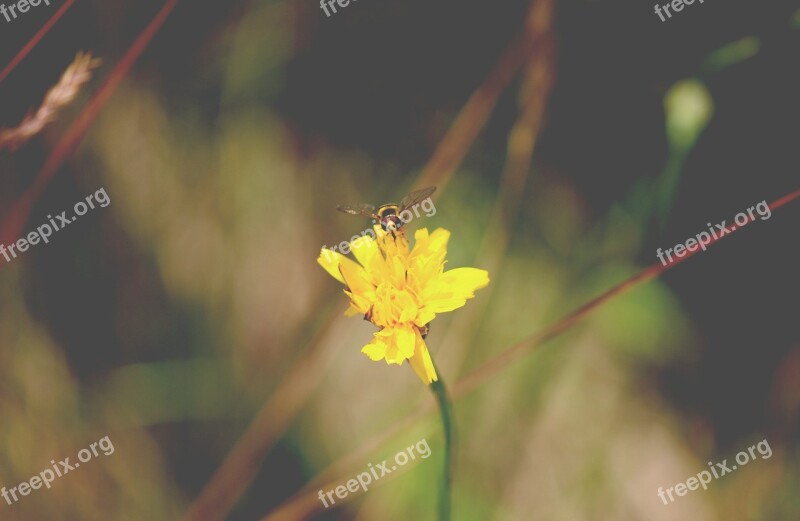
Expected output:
{"points": [[393, 306]]}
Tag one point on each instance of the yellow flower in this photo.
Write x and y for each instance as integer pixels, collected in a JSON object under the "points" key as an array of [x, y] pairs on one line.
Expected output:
{"points": [[401, 291]]}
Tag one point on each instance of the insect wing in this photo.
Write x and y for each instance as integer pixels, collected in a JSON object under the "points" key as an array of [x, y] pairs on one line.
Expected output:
{"points": [[365, 209], [415, 197]]}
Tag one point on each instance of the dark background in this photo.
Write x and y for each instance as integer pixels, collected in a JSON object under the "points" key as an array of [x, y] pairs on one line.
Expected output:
{"points": [[384, 79]]}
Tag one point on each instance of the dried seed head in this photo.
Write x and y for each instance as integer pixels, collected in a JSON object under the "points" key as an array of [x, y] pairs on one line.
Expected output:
{"points": [[78, 73]]}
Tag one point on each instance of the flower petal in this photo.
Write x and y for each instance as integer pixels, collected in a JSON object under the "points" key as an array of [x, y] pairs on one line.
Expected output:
{"points": [[430, 244], [465, 281], [356, 278], [331, 260], [424, 316], [426, 260], [364, 250], [405, 339], [422, 363], [439, 239], [452, 288], [328, 259], [375, 350]]}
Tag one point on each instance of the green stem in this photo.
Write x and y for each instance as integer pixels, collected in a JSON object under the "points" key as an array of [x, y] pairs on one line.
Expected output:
{"points": [[448, 425]]}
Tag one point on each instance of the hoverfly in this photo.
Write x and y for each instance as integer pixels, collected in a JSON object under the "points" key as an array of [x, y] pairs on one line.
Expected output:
{"points": [[388, 215]]}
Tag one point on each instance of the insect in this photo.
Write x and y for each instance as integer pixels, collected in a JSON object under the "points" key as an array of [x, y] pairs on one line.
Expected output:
{"points": [[389, 215]]}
